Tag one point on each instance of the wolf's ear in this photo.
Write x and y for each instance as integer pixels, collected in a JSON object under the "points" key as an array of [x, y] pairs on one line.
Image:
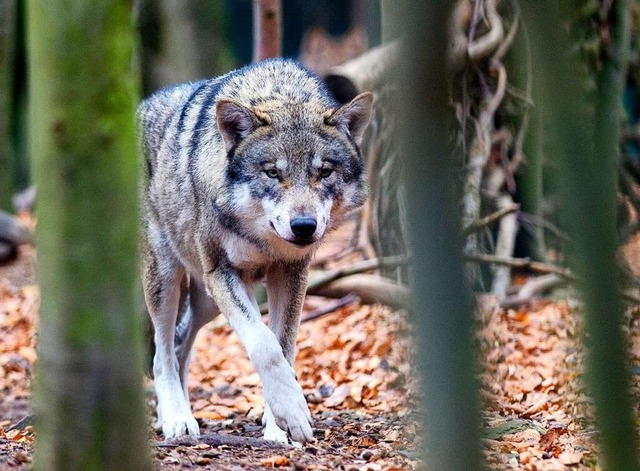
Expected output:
{"points": [[235, 122], [354, 116]]}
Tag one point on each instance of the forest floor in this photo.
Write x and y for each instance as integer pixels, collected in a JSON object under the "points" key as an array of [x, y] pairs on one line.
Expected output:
{"points": [[354, 366]]}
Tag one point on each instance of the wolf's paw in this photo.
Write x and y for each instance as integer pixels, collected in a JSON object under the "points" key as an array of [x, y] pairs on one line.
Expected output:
{"points": [[275, 434], [290, 409], [176, 425]]}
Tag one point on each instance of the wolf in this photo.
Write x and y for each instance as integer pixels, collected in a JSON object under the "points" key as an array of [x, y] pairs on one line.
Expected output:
{"points": [[245, 174]]}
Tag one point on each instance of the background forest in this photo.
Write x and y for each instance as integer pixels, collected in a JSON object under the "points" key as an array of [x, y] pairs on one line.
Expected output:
{"points": [[504, 166]]}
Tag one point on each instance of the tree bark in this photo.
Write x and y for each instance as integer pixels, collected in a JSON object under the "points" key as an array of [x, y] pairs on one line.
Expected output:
{"points": [[586, 153], [88, 398], [442, 312], [8, 24], [267, 29]]}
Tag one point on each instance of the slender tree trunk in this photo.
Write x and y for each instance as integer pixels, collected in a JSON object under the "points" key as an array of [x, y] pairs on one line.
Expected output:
{"points": [[169, 47], [442, 310], [530, 181], [88, 395], [8, 24], [586, 152], [267, 29]]}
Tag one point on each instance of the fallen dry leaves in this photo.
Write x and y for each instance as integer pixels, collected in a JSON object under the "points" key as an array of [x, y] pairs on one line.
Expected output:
{"points": [[353, 365], [536, 412]]}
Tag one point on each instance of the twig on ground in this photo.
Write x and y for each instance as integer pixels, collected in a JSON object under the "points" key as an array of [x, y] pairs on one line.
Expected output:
{"points": [[221, 439], [344, 301]]}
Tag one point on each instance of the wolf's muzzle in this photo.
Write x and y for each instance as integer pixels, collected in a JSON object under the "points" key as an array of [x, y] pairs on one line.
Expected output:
{"points": [[304, 227]]}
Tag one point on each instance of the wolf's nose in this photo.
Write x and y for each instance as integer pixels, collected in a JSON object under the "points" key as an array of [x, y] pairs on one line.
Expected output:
{"points": [[303, 227]]}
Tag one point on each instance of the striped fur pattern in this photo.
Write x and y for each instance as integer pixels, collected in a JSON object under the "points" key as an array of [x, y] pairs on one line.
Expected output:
{"points": [[245, 174]]}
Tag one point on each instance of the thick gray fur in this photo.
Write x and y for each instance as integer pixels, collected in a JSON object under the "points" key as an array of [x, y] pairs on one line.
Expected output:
{"points": [[245, 174]]}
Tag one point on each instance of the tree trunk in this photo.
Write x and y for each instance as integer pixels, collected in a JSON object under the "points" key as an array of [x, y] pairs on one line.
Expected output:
{"points": [[442, 311], [530, 181], [8, 24], [586, 151], [267, 29], [169, 47], [88, 395]]}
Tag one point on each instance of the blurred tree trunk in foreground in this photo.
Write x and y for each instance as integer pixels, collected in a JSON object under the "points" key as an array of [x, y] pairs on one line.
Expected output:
{"points": [[442, 312], [8, 26], [88, 395], [583, 139]]}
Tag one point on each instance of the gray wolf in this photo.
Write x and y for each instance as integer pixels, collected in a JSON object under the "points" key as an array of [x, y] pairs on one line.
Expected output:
{"points": [[245, 174]]}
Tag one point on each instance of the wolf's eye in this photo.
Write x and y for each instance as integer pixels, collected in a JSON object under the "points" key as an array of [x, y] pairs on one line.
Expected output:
{"points": [[326, 172], [271, 173]]}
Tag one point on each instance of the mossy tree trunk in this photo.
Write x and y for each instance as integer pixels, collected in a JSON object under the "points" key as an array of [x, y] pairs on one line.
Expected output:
{"points": [[442, 311], [585, 146], [8, 26], [88, 394]]}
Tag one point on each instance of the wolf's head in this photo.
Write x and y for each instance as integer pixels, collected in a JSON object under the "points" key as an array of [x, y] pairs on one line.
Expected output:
{"points": [[294, 169]]}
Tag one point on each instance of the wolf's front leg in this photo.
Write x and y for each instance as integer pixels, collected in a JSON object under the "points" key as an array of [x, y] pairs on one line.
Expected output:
{"points": [[161, 282], [286, 286], [282, 392]]}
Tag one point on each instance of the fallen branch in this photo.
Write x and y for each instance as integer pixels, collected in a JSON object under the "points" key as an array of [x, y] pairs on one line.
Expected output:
{"points": [[524, 262], [344, 301], [371, 289], [221, 439], [364, 73], [531, 288], [490, 219], [318, 279]]}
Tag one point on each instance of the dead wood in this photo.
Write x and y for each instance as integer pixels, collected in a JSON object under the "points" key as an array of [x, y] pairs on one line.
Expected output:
{"points": [[344, 301], [490, 219], [371, 289], [524, 262], [222, 439], [505, 245], [483, 46], [369, 72], [531, 288], [318, 279]]}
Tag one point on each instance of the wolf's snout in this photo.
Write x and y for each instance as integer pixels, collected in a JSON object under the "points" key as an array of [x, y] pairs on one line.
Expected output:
{"points": [[304, 227]]}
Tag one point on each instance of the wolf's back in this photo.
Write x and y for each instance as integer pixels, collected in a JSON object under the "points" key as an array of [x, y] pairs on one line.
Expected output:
{"points": [[186, 107]]}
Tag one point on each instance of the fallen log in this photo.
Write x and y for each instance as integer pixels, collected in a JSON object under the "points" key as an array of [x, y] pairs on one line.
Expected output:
{"points": [[365, 73], [371, 289]]}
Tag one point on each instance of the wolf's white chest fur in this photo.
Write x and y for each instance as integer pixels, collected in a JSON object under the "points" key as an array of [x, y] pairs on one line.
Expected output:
{"points": [[242, 253]]}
